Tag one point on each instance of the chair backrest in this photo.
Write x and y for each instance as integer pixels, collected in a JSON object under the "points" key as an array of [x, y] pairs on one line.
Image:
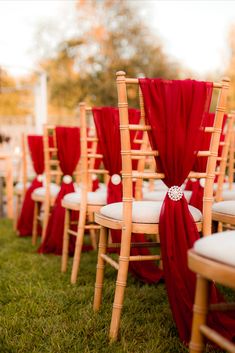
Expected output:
{"points": [[223, 159], [53, 172], [52, 167], [24, 164], [128, 174], [142, 163], [107, 123], [231, 159], [90, 156], [25, 173]]}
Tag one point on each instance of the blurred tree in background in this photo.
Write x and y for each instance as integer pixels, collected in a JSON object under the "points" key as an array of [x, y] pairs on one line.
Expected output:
{"points": [[109, 36], [81, 55], [231, 67], [13, 99]]}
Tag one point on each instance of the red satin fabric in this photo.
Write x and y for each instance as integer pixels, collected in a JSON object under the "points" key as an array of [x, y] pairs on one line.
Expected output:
{"points": [[68, 143], [175, 111], [25, 221], [197, 189], [107, 126]]}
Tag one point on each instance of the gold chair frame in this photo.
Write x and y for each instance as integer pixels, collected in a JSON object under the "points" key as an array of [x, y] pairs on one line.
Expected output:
{"points": [[126, 225]]}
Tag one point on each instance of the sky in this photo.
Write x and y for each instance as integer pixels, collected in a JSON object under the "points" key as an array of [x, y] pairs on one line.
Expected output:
{"points": [[195, 32]]}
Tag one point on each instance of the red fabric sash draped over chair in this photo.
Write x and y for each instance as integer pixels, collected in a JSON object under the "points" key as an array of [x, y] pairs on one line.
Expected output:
{"points": [[68, 143], [196, 199], [176, 111], [107, 126], [25, 221]]}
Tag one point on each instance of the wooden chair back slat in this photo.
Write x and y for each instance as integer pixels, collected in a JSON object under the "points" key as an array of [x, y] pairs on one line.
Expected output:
{"points": [[128, 174], [89, 143], [223, 159], [52, 169], [231, 163]]}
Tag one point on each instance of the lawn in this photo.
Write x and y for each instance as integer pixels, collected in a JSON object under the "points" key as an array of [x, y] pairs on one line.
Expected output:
{"points": [[40, 311]]}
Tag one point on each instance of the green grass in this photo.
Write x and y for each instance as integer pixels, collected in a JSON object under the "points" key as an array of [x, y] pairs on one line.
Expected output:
{"points": [[40, 311]]}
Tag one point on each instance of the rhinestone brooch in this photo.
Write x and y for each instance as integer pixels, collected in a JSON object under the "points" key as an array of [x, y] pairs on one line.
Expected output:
{"points": [[175, 193]]}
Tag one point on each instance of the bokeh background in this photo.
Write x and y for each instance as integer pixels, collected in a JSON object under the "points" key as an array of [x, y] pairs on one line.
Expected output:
{"points": [[74, 47]]}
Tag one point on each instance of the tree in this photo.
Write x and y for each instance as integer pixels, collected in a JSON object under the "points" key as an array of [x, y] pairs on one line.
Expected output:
{"points": [[110, 36], [231, 65], [13, 100]]}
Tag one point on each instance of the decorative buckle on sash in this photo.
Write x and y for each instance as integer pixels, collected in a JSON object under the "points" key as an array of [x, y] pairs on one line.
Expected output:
{"points": [[175, 193], [67, 179], [115, 179], [40, 177]]}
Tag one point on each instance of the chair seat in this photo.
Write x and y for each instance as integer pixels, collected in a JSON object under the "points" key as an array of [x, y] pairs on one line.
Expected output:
{"points": [[160, 195], [20, 186], [219, 247], [225, 207], [102, 187], [225, 186], [142, 212], [93, 198], [228, 194], [54, 190], [77, 187], [159, 185]]}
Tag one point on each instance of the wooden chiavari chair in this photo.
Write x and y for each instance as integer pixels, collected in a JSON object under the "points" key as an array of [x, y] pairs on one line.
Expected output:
{"points": [[143, 216], [231, 164], [44, 197], [225, 172], [212, 259], [22, 184], [7, 176], [86, 201], [223, 210]]}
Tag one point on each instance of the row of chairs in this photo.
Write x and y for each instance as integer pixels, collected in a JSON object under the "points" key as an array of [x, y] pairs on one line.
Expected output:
{"points": [[122, 224]]}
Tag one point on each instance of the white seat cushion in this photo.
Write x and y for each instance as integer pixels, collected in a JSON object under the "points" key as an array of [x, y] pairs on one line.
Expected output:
{"points": [[158, 185], [228, 194], [19, 186], [154, 195], [102, 187], [54, 190], [225, 186], [77, 187], [142, 211], [160, 195], [93, 198], [226, 207], [219, 247]]}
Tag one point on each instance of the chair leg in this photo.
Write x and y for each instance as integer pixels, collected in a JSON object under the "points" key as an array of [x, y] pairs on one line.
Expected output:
{"points": [[17, 211], [46, 213], [220, 227], [200, 310], [100, 268], [65, 250], [120, 288], [35, 223], [92, 232], [9, 190], [78, 245]]}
